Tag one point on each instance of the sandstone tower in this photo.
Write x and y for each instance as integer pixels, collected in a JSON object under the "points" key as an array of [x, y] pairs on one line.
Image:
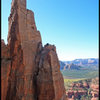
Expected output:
{"points": [[29, 71]]}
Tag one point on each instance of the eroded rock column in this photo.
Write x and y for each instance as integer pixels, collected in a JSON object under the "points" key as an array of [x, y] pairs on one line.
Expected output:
{"points": [[50, 82], [32, 71], [23, 40]]}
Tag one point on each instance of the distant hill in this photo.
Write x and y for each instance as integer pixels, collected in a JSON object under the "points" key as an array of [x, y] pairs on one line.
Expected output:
{"points": [[62, 65], [73, 66], [91, 63], [83, 61]]}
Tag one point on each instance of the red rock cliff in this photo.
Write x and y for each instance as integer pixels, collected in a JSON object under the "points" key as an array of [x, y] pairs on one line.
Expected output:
{"points": [[29, 70]]}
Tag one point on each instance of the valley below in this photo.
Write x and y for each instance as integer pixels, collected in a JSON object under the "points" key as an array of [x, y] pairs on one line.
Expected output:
{"points": [[81, 84], [81, 79]]}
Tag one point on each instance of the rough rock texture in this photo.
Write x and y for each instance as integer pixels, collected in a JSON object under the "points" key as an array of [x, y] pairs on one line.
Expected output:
{"points": [[5, 69], [49, 79], [29, 70]]}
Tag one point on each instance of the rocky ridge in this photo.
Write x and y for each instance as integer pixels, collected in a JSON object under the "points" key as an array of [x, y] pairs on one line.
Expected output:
{"points": [[29, 70]]}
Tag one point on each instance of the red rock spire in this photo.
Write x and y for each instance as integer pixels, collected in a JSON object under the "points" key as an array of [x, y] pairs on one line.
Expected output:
{"points": [[31, 67]]}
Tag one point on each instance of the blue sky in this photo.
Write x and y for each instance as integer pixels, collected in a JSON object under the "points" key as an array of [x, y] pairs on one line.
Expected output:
{"points": [[71, 25]]}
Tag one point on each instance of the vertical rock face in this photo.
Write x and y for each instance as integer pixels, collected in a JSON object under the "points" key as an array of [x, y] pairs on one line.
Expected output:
{"points": [[50, 84], [23, 41], [5, 69], [29, 70]]}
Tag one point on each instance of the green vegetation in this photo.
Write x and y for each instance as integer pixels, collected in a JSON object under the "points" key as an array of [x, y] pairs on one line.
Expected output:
{"points": [[73, 76], [87, 74], [68, 82], [80, 77], [68, 86], [86, 97], [73, 80]]}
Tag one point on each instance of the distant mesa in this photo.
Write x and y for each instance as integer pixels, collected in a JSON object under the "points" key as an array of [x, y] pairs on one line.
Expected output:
{"points": [[91, 63], [71, 66]]}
